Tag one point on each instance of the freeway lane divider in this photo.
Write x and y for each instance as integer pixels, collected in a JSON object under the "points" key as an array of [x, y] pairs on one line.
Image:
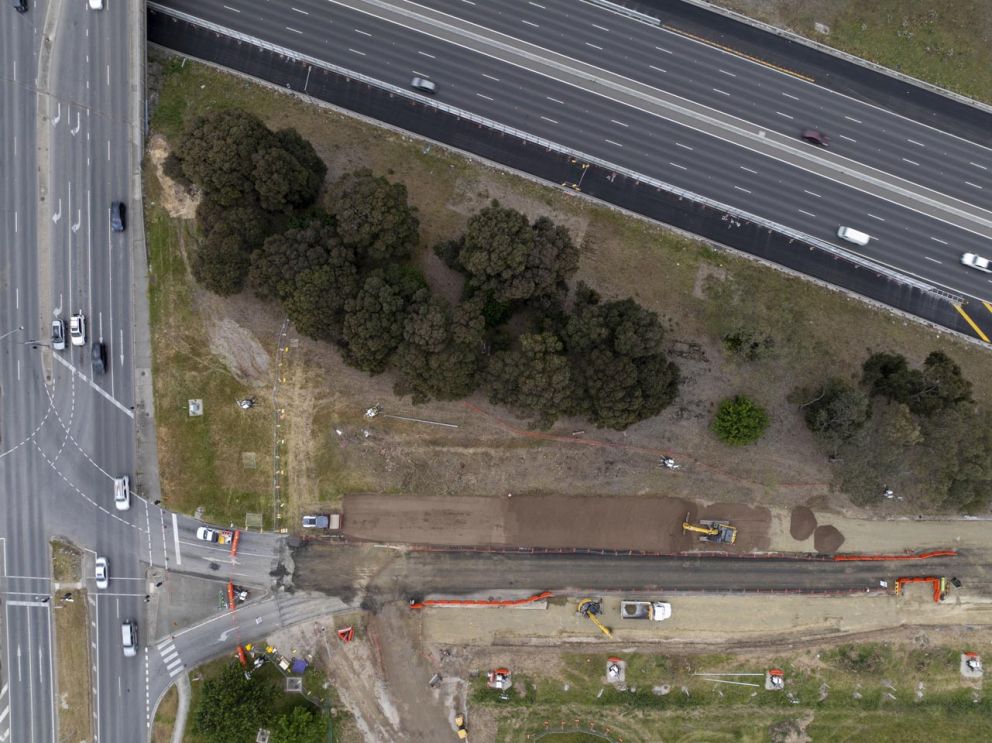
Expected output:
{"points": [[475, 602]]}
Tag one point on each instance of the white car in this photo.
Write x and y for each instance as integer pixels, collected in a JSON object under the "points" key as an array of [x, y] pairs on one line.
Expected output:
{"points": [[102, 573], [77, 329], [96, 4], [122, 493], [977, 262]]}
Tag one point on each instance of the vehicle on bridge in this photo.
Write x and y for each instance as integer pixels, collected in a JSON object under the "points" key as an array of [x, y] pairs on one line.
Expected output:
{"points": [[977, 262]]}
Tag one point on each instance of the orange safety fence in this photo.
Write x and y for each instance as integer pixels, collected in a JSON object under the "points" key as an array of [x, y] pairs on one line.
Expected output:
{"points": [[938, 585], [234, 543], [230, 595], [242, 657], [881, 558], [476, 602]]}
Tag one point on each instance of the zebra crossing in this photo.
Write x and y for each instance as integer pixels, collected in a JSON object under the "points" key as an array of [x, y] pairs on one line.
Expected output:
{"points": [[4, 712], [170, 657]]}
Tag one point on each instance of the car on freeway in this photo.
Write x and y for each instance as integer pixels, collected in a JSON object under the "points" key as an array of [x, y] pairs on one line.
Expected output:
{"points": [[102, 573], [423, 85], [117, 216], [96, 4], [977, 262], [815, 136], [58, 334], [77, 329], [98, 357], [21, 6], [215, 536], [122, 493]]}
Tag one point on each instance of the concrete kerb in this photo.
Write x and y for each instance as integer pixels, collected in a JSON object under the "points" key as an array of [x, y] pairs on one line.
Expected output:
{"points": [[146, 445]]}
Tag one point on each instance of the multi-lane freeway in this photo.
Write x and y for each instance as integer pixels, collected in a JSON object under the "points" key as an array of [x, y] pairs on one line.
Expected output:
{"points": [[656, 102]]}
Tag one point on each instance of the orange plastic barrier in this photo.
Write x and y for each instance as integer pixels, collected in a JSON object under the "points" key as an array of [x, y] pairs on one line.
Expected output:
{"points": [[234, 543], [880, 558], [230, 595], [938, 585], [242, 657], [470, 602]]}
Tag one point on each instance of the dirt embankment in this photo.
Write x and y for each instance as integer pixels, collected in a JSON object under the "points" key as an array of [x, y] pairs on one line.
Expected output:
{"points": [[638, 523]]}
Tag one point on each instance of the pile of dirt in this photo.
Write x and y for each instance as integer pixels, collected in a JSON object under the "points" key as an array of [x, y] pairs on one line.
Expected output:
{"points": [[803, 523], [827, 539]]}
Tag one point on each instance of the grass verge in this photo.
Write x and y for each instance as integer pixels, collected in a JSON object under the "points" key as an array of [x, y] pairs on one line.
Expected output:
{"points": [[867, 691], [165, 717], [72, 656]]}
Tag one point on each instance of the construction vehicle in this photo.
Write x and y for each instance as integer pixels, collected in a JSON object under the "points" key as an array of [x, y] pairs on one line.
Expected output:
{"points": [[460, 724], [719, 532], [590, 609], [657, 611]]}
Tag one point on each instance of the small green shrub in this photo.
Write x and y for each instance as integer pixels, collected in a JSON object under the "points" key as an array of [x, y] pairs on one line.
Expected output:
{"points": [[739, 421]]}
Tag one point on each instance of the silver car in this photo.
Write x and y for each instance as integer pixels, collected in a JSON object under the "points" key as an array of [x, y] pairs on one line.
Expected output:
{"points": [[77, 329], [426, 86], [58, 334]]}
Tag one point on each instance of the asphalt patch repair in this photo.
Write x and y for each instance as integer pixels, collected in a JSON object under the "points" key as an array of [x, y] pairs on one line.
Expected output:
{"points": [[652, 524]]}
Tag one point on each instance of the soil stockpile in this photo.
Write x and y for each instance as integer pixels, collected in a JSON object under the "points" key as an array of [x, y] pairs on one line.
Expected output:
{"points": [[803, 523], [827, 539]]}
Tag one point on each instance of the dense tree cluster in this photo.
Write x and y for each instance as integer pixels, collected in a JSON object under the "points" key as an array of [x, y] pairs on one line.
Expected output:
{"points": [[232, 707], [740, 421], [251, 179], [347, 276], [915, 432]]}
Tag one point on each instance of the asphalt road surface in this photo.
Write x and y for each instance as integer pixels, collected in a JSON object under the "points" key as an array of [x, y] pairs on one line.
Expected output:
{"points": [[66, 432], [669, 107]]}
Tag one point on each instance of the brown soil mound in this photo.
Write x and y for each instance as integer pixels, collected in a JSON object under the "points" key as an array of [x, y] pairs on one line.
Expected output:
{"points": [[803, 523], [553, 521], [827, 539]]}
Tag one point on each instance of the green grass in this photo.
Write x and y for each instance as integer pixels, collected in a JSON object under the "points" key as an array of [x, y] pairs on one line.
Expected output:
{"points": [[200, 458], [856, 679]]}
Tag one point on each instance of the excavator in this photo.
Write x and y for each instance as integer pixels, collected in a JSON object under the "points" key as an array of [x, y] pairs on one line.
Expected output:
{"points": [[590, 608], [719, 532]]}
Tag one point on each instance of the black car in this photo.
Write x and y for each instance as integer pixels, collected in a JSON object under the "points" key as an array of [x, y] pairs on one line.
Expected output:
{"points": [[117, 213], [98, 355], [21, 6]]}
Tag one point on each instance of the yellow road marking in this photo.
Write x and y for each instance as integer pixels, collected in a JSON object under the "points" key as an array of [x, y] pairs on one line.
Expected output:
{"points": [[736, 53], [978, 330]]}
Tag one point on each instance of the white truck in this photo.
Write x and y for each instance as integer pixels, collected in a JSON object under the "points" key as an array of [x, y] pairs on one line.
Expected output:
{"points": [[655, 610]]}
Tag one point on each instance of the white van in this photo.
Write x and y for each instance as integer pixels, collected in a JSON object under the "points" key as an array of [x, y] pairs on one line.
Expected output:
{"points": [[122, 493], [129, 638], [853, 236]]}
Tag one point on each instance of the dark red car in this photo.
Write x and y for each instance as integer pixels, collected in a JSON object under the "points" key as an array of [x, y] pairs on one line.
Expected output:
{"points": [[815, 136]]}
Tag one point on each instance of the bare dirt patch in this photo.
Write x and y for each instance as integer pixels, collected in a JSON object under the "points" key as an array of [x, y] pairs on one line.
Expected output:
{"points": [[175, 199], [802, 523], [515, 520], [72, 648]]}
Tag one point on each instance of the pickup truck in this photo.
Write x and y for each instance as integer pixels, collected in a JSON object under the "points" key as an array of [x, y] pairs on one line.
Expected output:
{"points": [[655, 610], [330, 521], [217, 536]]}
